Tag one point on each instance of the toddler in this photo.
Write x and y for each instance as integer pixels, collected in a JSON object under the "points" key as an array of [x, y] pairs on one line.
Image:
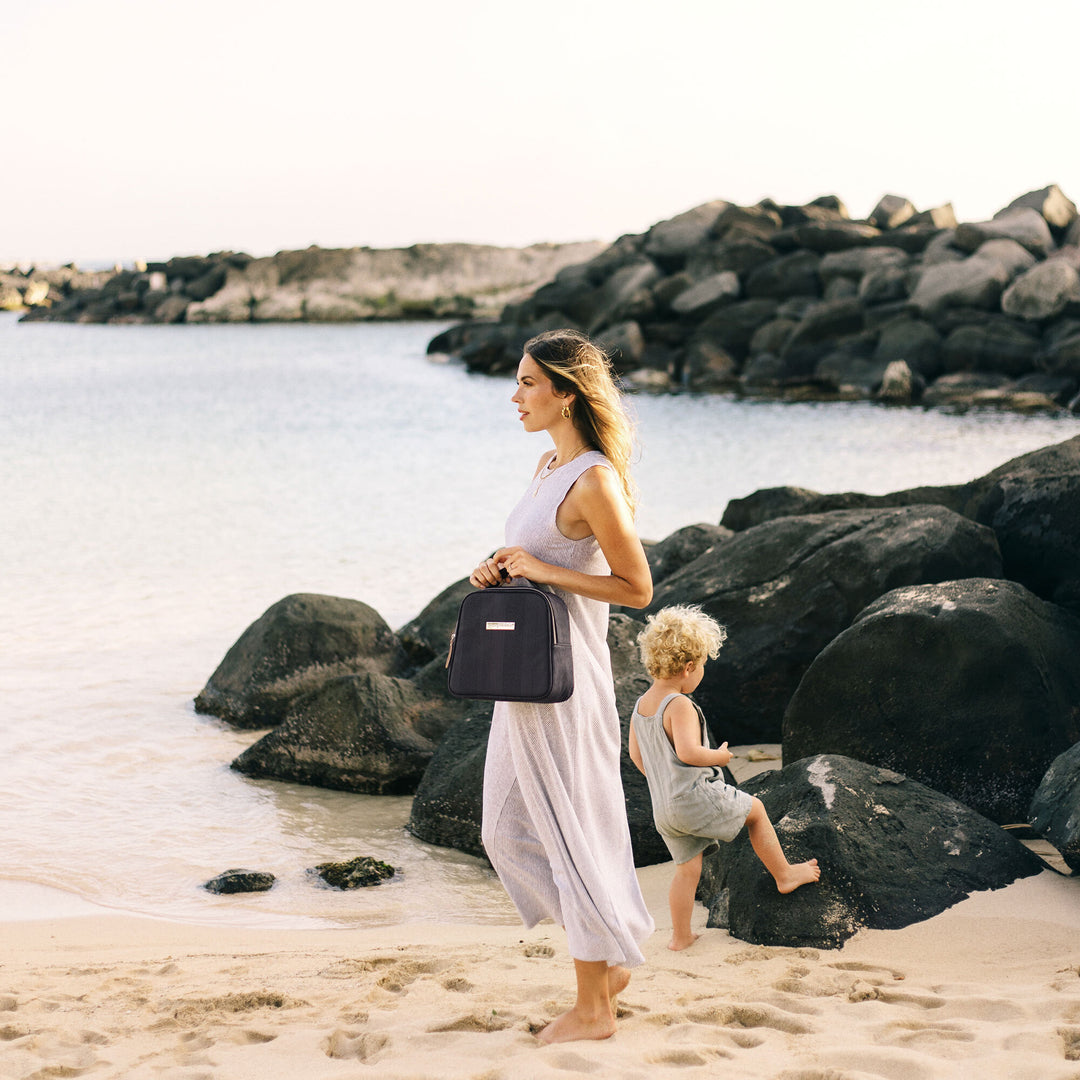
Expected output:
{"points": [[669, 743]]}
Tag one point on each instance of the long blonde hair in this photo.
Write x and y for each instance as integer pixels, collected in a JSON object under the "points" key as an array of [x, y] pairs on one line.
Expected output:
{"points": [[576, 366]]}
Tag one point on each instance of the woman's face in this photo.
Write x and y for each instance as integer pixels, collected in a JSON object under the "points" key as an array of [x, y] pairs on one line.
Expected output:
{"points": [[539, 405]]}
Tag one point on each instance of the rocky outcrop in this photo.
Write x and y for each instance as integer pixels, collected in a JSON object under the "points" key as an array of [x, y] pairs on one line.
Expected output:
{"points": [[426, 281], [892, 852], [803, 301], [971, 687], [1031, 502], [359, 873], [786, 588], [295, 646], [240, 881]]}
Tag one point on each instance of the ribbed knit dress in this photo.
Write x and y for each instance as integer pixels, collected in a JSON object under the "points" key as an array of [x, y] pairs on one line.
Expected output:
{"points": [[554, 819]]}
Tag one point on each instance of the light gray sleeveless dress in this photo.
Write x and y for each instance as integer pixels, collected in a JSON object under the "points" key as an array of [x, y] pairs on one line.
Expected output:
{"points": [[554, 821], [692, 806]]}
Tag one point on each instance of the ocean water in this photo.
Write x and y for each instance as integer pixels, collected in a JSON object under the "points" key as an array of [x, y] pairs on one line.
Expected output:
{"points": [[160, 487]]}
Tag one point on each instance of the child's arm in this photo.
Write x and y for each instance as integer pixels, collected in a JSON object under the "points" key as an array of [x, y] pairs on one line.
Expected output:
{"points": [[635, 750], [686, 736]]}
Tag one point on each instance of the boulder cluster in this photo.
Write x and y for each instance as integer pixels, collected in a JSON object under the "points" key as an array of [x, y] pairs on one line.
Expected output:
{"points": [[915, 654], [803, 301], [425, 281]]}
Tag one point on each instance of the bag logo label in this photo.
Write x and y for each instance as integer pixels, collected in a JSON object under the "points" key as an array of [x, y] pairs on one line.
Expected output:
{"points": [[499, 626]]}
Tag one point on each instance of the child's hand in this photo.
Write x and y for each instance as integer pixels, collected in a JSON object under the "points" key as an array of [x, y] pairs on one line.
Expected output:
{"points": [[723, 755]]}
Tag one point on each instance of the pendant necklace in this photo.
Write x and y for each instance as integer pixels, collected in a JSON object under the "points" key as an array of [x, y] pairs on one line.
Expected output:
{"points": [[550, 467]]}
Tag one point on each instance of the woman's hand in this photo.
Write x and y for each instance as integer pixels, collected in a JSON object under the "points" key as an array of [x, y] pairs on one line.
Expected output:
{"points": [[518, 563], [487, 574]]}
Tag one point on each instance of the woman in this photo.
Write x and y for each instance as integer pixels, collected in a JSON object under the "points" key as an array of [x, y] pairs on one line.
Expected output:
{"points": [[554, 823]]}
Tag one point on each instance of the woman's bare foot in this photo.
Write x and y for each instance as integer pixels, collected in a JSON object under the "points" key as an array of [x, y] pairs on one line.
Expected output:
{"points": [[803, 873], [677, 944], [572, 1026]]}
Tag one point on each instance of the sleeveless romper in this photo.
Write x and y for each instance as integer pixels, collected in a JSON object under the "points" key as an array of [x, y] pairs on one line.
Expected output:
{"points": [[554, 819], [692, 806]]}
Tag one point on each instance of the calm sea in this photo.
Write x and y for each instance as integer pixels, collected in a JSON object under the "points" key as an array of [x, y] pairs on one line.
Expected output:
{"points": [[160, 487]]}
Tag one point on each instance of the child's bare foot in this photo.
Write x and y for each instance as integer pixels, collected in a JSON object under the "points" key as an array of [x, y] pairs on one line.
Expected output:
{"points": [[677, 944], [572, 1026], [803, 873]]}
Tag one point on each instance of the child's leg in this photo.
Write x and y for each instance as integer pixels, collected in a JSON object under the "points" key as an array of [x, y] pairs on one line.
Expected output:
{"points": [[681, 901], [766, 846]]}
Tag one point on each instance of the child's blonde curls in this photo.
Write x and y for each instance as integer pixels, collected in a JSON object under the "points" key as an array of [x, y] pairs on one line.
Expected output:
{"points": [[676, 636]]}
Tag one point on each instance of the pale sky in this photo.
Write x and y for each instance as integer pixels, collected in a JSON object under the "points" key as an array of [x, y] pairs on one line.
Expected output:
{"points": [[135, 129]]}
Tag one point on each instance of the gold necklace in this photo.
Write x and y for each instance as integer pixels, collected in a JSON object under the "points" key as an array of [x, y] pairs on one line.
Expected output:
{"points": [[550, 467]]}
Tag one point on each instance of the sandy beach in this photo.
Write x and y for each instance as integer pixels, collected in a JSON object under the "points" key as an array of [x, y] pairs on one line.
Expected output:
{"points": [[988, 989]]}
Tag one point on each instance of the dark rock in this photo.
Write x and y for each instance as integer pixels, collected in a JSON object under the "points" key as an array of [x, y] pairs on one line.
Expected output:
{"points": [[1024, 225], [960, 389], [447, 809], [669, 242], [624, 343], [828, 320], [996, 345], [240, 881], [772, 336], [826, 236], [886, 285], [740, 223], [1051, 202], [366, 733], [973, 282], [296, 645], [707, 295], [704, 365], [970, 686], [787, 275], [427, 637], [768, 503], [206, 285], [359, 873], [740, 256], [1055, 809], [1033, 506], [683, 546], [1044, 292], [786, 588], [915, 342], [856, 263], [733, 326], [1061, 348], [1059, 387], [891, 212], [892, 852]]}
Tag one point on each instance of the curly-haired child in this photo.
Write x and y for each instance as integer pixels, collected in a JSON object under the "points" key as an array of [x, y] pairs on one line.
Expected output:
{"points": [[669, 742]]}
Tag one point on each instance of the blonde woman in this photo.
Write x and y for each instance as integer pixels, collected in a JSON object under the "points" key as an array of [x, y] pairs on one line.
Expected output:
{"points": [[669, 743], [554, 819]]}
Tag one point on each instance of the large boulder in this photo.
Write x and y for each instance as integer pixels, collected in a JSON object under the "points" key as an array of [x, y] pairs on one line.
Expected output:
{"points": [[683, 546], [1051, 202], [1055, 809], [1033, 506], [1024, 224], [995, 345], [892, 852], [364, 733], [669, 242], [786, 588], [1044, 292], [427, 637], [971, 687], [294, 646], [975, 282]]}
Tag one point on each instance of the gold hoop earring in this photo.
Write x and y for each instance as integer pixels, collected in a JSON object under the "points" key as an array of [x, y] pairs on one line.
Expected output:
{"points": [[566, 412]]}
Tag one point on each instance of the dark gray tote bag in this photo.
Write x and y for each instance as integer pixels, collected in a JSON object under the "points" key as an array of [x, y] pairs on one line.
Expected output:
{"points": [[511, 643]]}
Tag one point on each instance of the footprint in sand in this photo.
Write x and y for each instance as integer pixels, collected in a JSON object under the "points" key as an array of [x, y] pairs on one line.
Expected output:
{"points": [[359, 1045]]}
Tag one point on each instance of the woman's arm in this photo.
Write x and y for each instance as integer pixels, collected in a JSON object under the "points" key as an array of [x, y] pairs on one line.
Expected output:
{"points": [[685, 732], [594, 507]]}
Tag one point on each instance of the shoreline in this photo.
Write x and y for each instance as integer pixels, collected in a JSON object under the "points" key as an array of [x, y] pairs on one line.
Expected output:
{"points": [[992, 985]]}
